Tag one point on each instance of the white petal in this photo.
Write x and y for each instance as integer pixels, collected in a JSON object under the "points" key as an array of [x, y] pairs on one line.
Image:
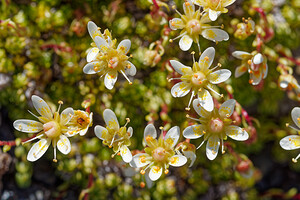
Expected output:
{"points": [[290, 142], [205, 100], [83, 131], [177, 160], [92, 54], [176, 23], [130, 131], [155, 174], [180, 68], [110, 119], [190, 155], [219, 76], [199, 109], [215, 34], [63, 144], [93, 30], [138, 160], [180, 89], [38, 149], [101, 44], [236, 133], [241, 55], [227, 108], [212, 147], [150, 130], [207, 57], [125, 153], [100, 132], [213, 15], [258, 59], [124, 46], [41, 107], [240, 70], [132, 70], [110, 79], [194, 131], [172, 136], [228, 2], [66, 115], [296, 116], [28, 126], [256, 76], [185, 43], [148, 180], [89, 68], [265, 71]]}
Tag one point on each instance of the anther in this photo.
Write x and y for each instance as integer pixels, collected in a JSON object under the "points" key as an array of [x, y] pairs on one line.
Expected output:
{"points": [[187, 108], [166, 171], [142, 172], [54, 160], [170, 40], [60, 102]]}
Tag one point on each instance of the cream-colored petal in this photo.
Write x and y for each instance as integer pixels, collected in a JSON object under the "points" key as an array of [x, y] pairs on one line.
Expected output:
{"points": [[258, 59], [172, 136], [63, 144], [256, 77], [140, 160], [212, 147], [180, 68], [240, 70], [199, 109], [177, 160], [89, 68], [236, 133], [132, 70], [124, 46], [219, 76], [101, 44], [176, 23], [180, 89], [149, 131], [38, 149], [194, 131], [110, 79], [125, 153], [66, 115], [110, 119], [213, 15], [228, 2], [93, 30], [101, 132], [28, 126], [296, 116], [215, 35], [207, 57], [41, 107], [206, 100], [188, 8], [290, 142], [92, 54], [155, 172], [242, 55], [191, 156], [227, 108], [185, 43]]}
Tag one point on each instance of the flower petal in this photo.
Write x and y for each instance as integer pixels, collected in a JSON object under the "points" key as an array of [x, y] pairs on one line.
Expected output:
{"points": [[228, 2], [240, 70], [92, 54], [194, 131], [66, 115], [28, 126], [110, 119], [199, 109], [258, 59], [185, 43], [139, 160], [100, 132], [176, 23], [213, 15], [148, 180], [132, 70], [180, 68], [124, 46], [130, 131], [215, 34], [177, 160], [256, 77], [242, 55], [188, 8], [93, 30], [38, 149], [290, 142], [236, 133], [296, 116], [265, 70], [125, 153], [207, 57], [180, 89], [190, 155], [227, 108], [172, 136], [89, 68], [155, 172], [205, 100], [212, 147], [64, 145], [83, 131], [110, 79], [101, 44], [219, 76], [150, 131], [41, 107]]}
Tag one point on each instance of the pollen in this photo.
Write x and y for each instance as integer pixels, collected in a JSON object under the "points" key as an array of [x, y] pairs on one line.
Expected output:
{"points": [[206, 58], [149, 138], [142, 172]]}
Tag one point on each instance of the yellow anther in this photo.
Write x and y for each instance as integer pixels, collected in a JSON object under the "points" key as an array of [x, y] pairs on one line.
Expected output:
{"points": [[227, 115], [249, 62], [54, 160], [148, 138], [294, 160], [187, 115], [287, 124], [166, 171], [250, 81], [142, 172], [142, 184], [130, 83], [206, 58], [223, 152], [60, 102], [174, 7], [170, 40], [196, 75], [161, 128], [187, 3], [193, 52], [187, 108]]}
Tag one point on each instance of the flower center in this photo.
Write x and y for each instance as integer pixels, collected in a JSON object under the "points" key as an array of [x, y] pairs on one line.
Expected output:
{"points": [[194, 27], [216, 125], [159, 154], [198, 78], [52, 129], [113, 62]]}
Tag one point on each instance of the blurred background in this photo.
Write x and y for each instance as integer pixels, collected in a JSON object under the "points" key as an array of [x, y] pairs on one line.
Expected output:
{"points": [[43, 47]]}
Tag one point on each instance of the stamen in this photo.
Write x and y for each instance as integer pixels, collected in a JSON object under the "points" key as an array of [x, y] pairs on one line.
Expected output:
{"points": [[174, 8], [295, 159], [292, 127], [112, 141], [127, 121], [54, 149], [171, 79], [192, 96], [179, 36], [218, 65], [37, 137], [221, 95], [222, 145], [188, 116], [193, 55], [201, 144], [32, 114], [130, 83]]}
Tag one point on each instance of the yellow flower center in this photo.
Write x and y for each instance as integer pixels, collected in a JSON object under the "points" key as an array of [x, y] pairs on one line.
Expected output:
{"points": [[159, 154], [52, 129], [193, 27], [198, 78], [216, 125]]}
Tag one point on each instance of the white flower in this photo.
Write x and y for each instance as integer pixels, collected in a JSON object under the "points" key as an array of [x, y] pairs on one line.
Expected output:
{"points": [[159, 154], [194, 24], [215, 127], [51, 128], [200, 79], [81, 121], [292, 142], [106, 59], [114, 136]]}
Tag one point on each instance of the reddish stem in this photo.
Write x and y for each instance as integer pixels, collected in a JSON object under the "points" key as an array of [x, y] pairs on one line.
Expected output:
{"points": [[13, 143], [155, 4], [90, 183], [296, 62], [56, 47]]}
